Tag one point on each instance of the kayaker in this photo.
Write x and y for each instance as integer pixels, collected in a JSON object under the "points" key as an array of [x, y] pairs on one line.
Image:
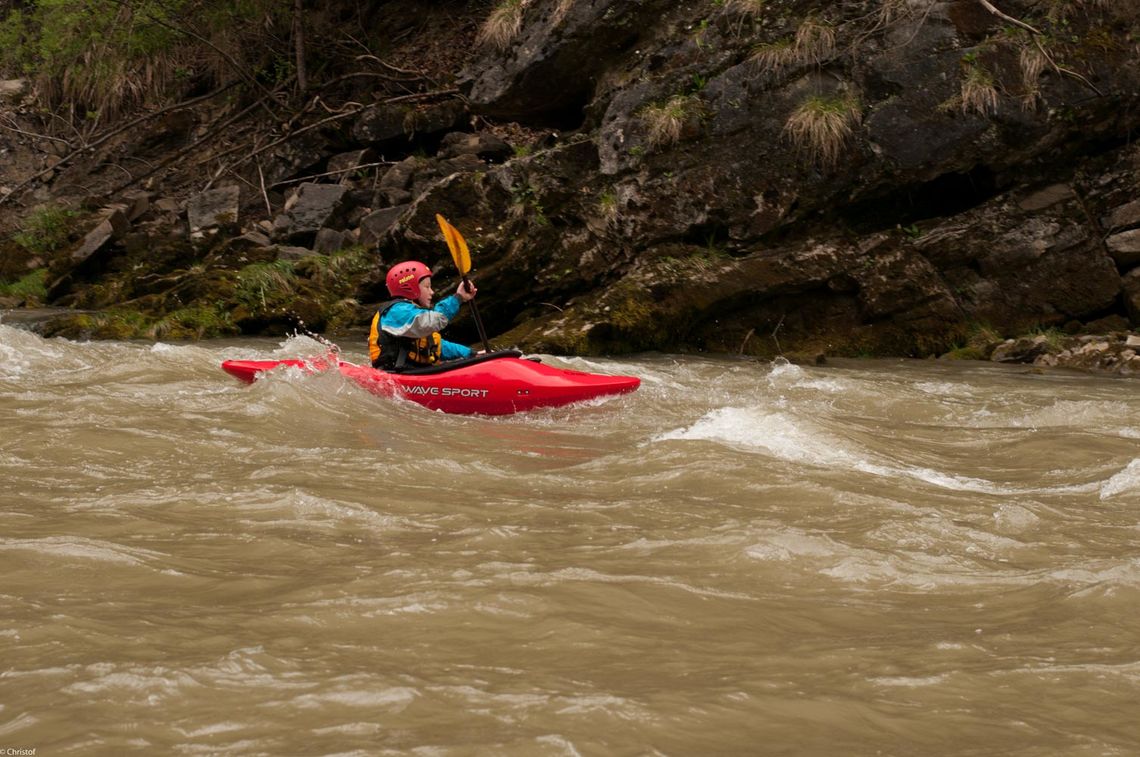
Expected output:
{"points": [[405, 330]]}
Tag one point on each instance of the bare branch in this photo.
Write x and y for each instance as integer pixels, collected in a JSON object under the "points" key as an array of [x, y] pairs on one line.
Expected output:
{"points": [[1007, 18]]}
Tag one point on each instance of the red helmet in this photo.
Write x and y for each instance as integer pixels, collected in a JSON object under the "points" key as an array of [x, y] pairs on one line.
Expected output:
{"points": [[404, 279]]}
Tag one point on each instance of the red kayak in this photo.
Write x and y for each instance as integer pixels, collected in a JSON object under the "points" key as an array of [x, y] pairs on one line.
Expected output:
{"points": [[497, 383]]}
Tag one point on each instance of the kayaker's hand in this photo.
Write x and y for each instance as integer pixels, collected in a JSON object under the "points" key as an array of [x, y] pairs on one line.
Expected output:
{"points": [[466, 291]]}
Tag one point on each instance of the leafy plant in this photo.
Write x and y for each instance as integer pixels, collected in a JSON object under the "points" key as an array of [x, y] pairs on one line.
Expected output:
{"points": [[822, 125]]}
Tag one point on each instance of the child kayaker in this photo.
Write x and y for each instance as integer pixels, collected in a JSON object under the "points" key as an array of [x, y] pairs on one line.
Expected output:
{"points": [[405, 330]]}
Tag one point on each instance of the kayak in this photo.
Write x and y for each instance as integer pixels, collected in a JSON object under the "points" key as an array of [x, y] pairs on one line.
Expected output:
{"points": [[495, 383]]}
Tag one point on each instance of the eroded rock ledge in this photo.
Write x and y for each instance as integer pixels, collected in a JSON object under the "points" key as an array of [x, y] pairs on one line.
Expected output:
{"points": [[629, 178]]}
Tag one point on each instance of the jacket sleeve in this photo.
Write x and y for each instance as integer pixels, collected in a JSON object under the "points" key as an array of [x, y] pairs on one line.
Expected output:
{"points": [[410, 320], [452, 351]]}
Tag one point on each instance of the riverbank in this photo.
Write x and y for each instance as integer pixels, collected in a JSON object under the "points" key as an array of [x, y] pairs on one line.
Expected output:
{"points": [[674, 195]]}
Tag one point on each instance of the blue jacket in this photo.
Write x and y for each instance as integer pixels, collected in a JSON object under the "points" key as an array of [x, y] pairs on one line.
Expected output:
{"points": [[407, 319]]}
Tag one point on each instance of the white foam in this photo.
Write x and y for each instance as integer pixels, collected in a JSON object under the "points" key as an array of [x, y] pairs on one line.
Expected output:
{"points": [[83, 549], [1127, 480], [781, 434]]}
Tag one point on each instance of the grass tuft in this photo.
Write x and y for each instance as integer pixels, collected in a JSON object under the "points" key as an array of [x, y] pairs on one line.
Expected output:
{"points": [[822, 125], [666, 121], [503, 25], [815, 41], [32, 288], [46, 229], [978, 92]]}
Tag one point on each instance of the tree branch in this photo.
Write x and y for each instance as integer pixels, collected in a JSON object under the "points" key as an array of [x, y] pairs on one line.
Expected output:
{"points": [[1037, 34]]}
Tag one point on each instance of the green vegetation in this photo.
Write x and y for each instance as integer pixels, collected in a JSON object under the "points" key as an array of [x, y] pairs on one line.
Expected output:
{"points": [[95, 59], [331, 273], [1054, 337], [260, 286], [822, 125], [31, 288], [979, 344], [524, 201], [607, 204], [46, 229], [197, 322]]}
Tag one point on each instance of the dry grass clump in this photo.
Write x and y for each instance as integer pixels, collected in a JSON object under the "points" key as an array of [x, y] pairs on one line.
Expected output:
{"points": [[1058, 11], [821, 126], [503, 25], [1033, 63], [745, 7], [815, 40], [666, 121], [774, 56], [978, 92], [813, 43]]}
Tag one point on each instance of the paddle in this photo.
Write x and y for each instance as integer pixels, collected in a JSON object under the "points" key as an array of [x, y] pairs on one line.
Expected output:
{"points": [[462, 257]]}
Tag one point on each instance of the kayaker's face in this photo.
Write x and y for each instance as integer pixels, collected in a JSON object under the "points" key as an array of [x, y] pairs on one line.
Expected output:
{"points": [[426, 292]]}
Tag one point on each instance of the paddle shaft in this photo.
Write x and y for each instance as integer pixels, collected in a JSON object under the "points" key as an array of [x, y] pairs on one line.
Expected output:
{"points": [[478, 320], [462, 257]]}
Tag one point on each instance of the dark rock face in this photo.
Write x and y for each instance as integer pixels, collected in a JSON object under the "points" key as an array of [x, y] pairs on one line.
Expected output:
{"points": [[874, 177]]}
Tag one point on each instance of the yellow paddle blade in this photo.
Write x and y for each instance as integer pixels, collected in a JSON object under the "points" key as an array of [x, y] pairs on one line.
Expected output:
{"points": [[455, 242], [464, 254]]}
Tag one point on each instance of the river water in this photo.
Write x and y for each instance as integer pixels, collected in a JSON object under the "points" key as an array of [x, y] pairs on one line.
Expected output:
{"points": [[858, 558]]}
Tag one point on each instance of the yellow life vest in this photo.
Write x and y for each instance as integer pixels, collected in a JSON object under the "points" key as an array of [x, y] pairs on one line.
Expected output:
{"points": [[395, 353]]}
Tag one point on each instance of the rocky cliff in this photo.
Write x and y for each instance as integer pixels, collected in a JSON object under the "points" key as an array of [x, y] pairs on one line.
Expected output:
{"points": [[747, 176]]}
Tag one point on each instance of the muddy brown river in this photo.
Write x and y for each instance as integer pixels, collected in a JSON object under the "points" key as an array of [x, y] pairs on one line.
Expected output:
{"points": [[859, 558]]}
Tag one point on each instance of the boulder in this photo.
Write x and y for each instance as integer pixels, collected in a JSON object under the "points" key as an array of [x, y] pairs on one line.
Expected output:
{"points": [[1124, 216], [551, 68], [1023, 350], [112, 227], [343, 163], [1125, 248], [11, 90], [390, 125], [481, 144], [1130, 284], [213, 210], [315, 206], [329, 241], [375, 225], [293, 252]]}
